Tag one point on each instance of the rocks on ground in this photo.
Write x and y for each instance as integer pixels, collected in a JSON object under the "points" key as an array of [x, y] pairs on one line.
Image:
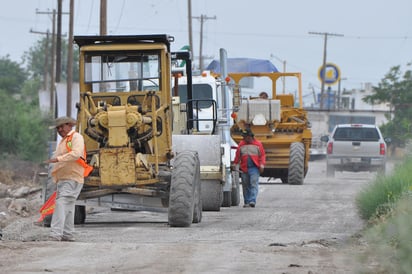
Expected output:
{"points": [[20, 193]]}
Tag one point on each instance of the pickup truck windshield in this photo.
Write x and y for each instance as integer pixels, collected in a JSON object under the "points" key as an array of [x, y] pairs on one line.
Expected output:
{"points": [[356, 134]]}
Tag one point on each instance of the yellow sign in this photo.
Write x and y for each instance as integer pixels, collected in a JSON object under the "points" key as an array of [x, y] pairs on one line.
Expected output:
{"points": [[330, 75]]}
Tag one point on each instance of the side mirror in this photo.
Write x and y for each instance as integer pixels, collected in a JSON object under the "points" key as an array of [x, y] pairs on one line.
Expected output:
{"points": [[387, 140], [324, 138]]}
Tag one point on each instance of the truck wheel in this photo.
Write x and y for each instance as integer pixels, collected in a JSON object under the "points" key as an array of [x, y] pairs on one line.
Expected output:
{"points": [[296, 164], [182, 189], [227, 198], [212, 195], [235, 188], [79, 215], [330, 171]]}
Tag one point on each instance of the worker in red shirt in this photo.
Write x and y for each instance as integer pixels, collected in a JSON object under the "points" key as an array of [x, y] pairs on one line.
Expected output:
{"points": [[251, 156]]}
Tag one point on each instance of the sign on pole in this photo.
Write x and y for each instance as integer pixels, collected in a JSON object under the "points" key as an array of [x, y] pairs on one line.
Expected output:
{"points": [[330, 75]]}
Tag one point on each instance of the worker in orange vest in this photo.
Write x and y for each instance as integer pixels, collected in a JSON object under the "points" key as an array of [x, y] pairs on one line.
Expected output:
{"points": [[68, 173]]}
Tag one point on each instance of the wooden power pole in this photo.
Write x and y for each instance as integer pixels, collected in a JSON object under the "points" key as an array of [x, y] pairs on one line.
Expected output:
{"points": [[325, 35], [202, 18], [70, 62], [103, 17]]}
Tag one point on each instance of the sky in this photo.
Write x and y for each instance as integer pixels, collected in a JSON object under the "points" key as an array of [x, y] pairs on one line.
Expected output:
{"points": [[374, 35]]}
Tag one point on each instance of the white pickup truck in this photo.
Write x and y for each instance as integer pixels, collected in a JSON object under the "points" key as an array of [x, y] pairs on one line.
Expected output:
{"points": [[355, 147]]}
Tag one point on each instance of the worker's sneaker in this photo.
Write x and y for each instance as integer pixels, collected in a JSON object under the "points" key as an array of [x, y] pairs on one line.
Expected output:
{"points": [[54, 238], [67, 239], [246, 205], [252, 204]]}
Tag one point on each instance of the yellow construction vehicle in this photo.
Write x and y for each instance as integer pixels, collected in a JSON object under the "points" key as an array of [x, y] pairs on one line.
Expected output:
{"points": [[125, 115], [280, 123]]}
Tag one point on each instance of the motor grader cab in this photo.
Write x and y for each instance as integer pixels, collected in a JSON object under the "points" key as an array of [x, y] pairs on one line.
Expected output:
{"points": [[125, 116], [282, 127]]}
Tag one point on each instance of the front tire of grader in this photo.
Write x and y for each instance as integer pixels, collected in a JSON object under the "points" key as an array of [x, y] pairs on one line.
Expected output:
{"points": [[296, 172], [184, 181]]}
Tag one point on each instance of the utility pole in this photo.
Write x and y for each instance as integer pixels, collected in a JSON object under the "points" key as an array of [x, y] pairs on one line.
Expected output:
{"points": [[202, 18], [46, 60], [54, 70], [325, 35], [53, 53], [59, 42], [70, 62], [103, 17]]}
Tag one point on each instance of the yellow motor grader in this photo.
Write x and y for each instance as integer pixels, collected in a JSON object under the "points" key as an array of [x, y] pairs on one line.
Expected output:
{"points": [[125, 116], [280, 123]]}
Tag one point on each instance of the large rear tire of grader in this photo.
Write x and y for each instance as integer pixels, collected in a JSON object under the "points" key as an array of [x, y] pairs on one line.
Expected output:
{"points": [[185, 177], [296, 172], [212, 195]]}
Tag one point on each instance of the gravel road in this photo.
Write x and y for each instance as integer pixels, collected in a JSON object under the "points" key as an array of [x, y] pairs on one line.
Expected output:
{"points": [[309, 228]]}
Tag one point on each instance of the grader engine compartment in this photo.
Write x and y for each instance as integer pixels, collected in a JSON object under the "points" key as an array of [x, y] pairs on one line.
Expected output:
{"points": [[123, 134]]}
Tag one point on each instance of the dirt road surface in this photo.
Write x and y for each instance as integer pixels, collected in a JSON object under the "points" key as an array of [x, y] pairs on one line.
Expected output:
{"points": [[305, 228]]}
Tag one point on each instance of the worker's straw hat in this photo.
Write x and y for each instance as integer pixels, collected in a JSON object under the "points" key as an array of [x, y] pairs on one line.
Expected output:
{"points": [[63, 120]]}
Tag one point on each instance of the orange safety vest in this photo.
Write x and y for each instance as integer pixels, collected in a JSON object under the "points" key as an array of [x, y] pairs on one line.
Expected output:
{"points": [[82, 160]]}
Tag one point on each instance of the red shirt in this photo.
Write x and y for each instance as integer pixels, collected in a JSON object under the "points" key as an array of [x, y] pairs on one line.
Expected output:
{"points": [[254, 150]]}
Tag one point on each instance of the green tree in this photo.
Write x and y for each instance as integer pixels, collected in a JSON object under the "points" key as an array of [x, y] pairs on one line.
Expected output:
{"points": [[12, 76], [396, 90], [23, 130], [35, 58]]}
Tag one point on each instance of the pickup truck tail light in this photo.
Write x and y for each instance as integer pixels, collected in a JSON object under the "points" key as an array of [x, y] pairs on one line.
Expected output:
{"points": [[382, 149], [329, 149]]}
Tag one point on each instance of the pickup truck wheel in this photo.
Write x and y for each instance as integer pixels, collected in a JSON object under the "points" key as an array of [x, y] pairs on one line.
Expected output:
{"points": [[182, 189], [296, 164], [330, 171]]}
